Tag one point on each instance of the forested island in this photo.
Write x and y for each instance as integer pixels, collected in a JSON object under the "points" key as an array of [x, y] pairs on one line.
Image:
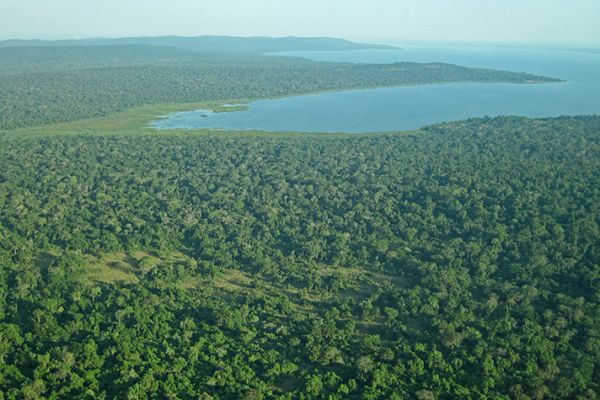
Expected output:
{"points": [[457, 261]]}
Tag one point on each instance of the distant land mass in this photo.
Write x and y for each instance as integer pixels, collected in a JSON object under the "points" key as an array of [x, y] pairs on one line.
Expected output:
{"points": [[212, 44]]}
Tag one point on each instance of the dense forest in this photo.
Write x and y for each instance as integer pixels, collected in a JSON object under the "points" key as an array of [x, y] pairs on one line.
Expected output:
{"points": [[47, 84], [461, 261]]}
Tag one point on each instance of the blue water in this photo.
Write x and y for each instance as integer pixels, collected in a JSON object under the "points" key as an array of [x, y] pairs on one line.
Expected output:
{"points": [[411, 107]]}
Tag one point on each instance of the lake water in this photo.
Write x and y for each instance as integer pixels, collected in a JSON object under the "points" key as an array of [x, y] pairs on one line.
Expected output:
{"points": [[411, 107]]}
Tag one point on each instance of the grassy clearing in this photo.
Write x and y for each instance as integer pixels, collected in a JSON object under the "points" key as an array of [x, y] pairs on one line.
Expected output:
{"points": [[111, 268], [130, 267], [132, 121], [133, 268], [232, 281]]}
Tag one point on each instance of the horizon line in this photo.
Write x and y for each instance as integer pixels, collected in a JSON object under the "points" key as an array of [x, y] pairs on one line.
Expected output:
{"points": [[383, 41]]}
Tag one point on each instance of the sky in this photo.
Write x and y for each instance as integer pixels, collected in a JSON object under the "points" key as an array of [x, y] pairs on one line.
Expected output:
{"points": [[570, 22]]}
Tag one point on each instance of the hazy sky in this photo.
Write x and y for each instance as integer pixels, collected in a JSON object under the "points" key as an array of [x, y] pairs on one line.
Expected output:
{"points": [[546, 21]]}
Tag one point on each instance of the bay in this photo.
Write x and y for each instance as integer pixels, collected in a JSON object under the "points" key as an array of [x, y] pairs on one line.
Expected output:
{"points": [[411, 107]]}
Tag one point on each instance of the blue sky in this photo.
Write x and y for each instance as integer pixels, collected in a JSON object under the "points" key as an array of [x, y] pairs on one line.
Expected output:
{"points": [[531, 21]]}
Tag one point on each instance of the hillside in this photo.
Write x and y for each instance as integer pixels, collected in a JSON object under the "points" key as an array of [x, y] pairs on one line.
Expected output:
{"points": [[459, 261]]}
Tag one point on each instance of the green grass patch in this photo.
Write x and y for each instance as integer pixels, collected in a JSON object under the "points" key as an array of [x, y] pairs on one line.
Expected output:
{"points": [[136, 121], [132, 121], [111, 268], [123, 267]]}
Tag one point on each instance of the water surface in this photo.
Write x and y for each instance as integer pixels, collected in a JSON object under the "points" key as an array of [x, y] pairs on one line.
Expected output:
{"points": [[411, 107]]}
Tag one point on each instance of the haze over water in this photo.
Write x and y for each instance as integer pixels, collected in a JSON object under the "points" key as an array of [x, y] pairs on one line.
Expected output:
{"points": [[411, 107]]}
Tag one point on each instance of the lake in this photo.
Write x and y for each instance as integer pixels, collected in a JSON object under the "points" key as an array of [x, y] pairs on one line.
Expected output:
{"points": [[411, 107]]}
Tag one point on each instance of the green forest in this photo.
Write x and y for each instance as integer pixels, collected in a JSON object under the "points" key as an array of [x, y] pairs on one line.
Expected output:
{"points": [[460, 261]]}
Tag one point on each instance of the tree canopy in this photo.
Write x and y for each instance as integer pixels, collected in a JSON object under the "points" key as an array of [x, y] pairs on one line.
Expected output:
{"points": [[457, 262]]}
